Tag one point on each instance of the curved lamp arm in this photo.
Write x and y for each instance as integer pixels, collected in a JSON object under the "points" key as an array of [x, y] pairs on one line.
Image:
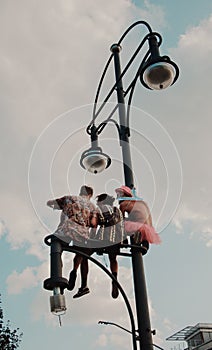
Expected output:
{"points": [[116, 325], [126, 330], [130, 312], [95, 114]]}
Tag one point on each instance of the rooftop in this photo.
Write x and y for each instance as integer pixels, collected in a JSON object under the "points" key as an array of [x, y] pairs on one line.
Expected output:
{"points": [[186, 332]]}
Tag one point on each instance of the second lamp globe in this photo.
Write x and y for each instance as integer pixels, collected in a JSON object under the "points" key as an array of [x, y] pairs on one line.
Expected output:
{"points": [[159, 75], [94, 160]]}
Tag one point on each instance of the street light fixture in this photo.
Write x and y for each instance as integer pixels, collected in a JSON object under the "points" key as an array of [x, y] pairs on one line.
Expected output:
{"points": [[93, 159], [157, 73]]}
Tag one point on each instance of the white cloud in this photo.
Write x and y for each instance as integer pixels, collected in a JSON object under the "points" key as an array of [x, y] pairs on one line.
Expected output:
{"points": [[185, 111], [153, 14], [3, 229], [30, 277], [21, 225], [51, 61], [197, 37], [17, 282]]}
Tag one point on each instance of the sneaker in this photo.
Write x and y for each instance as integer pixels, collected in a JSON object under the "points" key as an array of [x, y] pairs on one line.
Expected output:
{"points": [[115, 291], [81, 292], [72, 280]]}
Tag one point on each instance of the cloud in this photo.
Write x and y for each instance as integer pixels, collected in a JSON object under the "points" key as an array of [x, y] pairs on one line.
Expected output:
{"points": [[17, 282], [168, 324], [153, 14], [3, 229], [22, 228], [51, 61], [185, 112], [30, 277], [193, 138], [196, 37]]}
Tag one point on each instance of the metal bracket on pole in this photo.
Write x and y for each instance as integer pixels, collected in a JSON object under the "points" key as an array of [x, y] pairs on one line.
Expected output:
{"points": [[56, 280]]}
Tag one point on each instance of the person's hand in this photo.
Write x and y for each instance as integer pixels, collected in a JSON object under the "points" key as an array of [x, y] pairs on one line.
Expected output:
{"points": [[51, 203]]}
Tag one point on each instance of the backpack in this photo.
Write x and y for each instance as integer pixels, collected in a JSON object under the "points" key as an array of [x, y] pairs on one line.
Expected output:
{"points": [[111, 224]]}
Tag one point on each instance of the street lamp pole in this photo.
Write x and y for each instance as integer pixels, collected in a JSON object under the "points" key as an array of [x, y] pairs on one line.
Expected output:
{"points": [[144, 327], [124, 130], [156, 72]]}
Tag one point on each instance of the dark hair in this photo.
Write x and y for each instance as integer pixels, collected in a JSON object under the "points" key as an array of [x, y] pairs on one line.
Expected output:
{"points": [[86, 191], [105, 198]]}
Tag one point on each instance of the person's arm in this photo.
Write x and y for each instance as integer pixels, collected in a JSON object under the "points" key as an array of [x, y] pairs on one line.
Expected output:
{"points": [[56, 203], [51, 203], [148, 215], [93, 216], [149, 219], [93, 221], [124, 208]]}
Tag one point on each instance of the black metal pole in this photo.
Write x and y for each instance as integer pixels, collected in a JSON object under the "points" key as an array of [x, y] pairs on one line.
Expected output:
{"points": [[124, 130], [142, 309], [56, 262], [56, 279]]}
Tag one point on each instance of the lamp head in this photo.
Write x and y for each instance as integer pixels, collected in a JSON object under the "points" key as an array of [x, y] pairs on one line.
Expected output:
{"points": [[94, 160], [159, 74]]}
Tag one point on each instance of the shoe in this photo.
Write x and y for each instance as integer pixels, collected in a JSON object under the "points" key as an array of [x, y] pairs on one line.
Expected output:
{"points": [[72, 280], [144, 247], [81, 292], [115, 291]]}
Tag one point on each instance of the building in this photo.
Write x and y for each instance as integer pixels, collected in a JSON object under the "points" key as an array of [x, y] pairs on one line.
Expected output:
{"points": [[197, 337]]}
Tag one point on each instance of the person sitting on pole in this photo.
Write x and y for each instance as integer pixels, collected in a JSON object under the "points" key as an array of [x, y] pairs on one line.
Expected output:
{"points": [[78, 215], [139, 220], [111, 233]]}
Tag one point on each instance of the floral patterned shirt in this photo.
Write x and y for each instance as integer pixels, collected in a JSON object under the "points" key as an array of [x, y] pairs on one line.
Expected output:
{"points": [[78, 209]]}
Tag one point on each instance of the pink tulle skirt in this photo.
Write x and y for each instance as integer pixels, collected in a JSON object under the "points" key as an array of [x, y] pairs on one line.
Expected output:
{"points": [[148, 233]]}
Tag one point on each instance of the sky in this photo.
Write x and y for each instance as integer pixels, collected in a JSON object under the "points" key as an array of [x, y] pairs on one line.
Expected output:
{"points": [[52, 57]]}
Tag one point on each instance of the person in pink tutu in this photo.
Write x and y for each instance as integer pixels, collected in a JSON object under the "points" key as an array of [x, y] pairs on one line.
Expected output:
{"points": [[139, 220]]}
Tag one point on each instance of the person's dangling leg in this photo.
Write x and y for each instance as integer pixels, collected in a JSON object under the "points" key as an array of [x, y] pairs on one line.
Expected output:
{"points": [[114, 270], [73, 274], [84, 276], [84, 272]]}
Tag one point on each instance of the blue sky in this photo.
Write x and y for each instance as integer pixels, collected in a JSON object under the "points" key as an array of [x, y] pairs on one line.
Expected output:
{"points": [[52, 56]]}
